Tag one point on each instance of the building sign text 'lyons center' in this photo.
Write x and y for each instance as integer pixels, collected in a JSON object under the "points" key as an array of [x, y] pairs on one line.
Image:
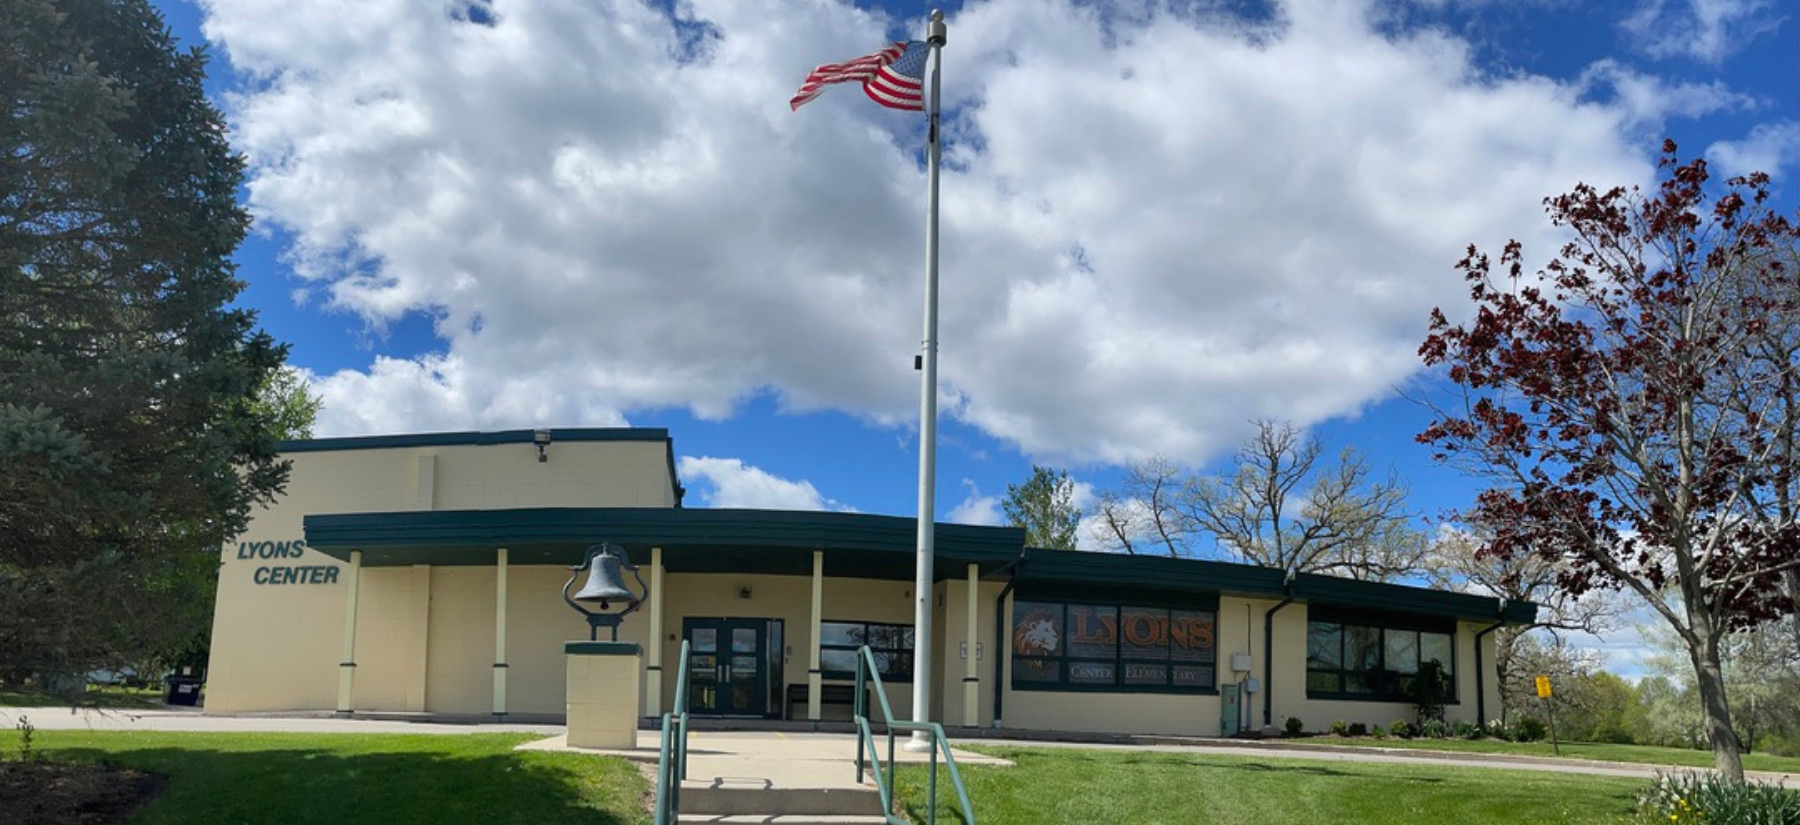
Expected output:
{"points": [[285, 574]]}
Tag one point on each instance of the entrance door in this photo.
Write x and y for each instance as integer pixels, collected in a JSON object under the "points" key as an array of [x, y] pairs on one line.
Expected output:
{"points": [[729, 667]]}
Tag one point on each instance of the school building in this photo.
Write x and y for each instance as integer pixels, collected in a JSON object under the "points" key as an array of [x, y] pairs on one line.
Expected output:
{"points": [[424, 574]]}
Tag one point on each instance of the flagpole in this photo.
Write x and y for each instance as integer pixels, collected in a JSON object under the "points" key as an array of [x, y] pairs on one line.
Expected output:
{"points": [[923, 579]]}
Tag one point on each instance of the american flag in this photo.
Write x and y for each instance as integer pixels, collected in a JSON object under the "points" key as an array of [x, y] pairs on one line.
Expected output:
{"points": [[893, 77]]}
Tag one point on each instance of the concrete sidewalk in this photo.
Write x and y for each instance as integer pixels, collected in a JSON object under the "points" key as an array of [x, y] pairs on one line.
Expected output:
{"points": [[768, 760]]}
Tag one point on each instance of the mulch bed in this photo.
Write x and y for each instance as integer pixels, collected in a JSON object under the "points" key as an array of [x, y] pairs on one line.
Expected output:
{"points": [[51, 793]]}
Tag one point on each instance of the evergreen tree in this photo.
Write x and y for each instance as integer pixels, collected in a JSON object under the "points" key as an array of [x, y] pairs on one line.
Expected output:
{"points": [[1045, 506], [129, 434]]}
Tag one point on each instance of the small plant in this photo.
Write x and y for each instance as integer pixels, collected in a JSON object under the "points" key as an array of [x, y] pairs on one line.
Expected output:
{"points": [[1464, 729], [27, 735], [1358, 729], [1680, 799], [1340, 728], [1529, 730], [1378, 732], [1401, 729], [1293, 726], [1434, 729]]}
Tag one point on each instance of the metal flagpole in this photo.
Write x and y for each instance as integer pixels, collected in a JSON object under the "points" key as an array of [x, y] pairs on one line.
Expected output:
{"points": [[922, 581]]}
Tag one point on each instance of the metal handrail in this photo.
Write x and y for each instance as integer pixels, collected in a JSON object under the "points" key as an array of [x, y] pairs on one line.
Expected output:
{"points": [[671, 758], [865, 670]]}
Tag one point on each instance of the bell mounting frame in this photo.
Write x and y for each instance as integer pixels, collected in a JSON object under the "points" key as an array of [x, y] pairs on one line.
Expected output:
{"points": [[601, 618]]}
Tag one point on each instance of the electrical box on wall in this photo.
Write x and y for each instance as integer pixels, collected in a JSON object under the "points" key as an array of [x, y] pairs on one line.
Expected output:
{"points": [[1240, 662]]}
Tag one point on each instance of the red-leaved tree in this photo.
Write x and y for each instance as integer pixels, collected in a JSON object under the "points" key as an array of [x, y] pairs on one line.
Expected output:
{"points": [[1623, 402]]}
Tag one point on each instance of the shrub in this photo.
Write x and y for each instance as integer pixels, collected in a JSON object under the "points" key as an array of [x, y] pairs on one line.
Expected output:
{"points": [[1529, 730], [1463, 729], [1293, 726], [1680, 799], [1340, 728], [1434, 729], [1401, 729], [1358, 729], [1378, 733]]}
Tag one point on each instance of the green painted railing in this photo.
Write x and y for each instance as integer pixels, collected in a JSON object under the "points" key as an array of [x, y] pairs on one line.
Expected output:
{"points": [[671, 759], [865, 671]]}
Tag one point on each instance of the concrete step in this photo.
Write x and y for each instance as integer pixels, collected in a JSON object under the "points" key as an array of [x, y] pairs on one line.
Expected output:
{"points": [[783, 819], [789, 801]]}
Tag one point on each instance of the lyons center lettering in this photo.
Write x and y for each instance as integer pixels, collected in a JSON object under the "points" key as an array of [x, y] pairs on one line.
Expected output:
{"points": [[285, 574]]}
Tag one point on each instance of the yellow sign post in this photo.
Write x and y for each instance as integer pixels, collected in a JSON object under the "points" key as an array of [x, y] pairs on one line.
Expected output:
{"points": [[1543, 691]]}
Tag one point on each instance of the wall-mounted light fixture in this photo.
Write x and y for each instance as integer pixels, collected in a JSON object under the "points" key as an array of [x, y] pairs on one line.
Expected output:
{"points": [[744, 592], [542, 439]]}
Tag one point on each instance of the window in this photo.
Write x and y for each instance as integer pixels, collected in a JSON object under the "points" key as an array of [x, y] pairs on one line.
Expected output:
{"points": [[1353, 661], [1060, 646], [892, 645]]}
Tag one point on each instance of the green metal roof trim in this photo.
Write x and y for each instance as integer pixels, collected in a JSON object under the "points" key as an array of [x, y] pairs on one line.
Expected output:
{"points": [[781, 542], [771, 541], [1161, 573], [473, 438]]}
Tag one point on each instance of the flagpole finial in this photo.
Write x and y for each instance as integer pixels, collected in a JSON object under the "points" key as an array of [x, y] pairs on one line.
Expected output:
{"points": [[937, 30]]}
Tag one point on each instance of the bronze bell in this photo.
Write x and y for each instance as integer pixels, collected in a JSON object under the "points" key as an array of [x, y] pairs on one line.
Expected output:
{"points": [[604, 583]]}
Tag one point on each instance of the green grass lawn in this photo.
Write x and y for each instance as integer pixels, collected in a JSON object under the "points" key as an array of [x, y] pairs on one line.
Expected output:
{"points": [[335, 779], [1643, 754], [98, 696], [1088, 787]]}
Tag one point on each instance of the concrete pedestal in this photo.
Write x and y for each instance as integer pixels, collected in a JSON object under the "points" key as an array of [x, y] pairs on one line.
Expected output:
{"points": [[603, 693]]}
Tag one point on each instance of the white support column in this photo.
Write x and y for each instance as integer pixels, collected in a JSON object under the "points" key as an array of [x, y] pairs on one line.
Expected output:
{"points": [[971, 715], [653, 670], [500, 561], [813, 681], [347, 665]]}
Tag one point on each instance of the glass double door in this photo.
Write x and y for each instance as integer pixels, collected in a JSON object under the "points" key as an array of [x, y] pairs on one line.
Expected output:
{"points": [[734, 665]]}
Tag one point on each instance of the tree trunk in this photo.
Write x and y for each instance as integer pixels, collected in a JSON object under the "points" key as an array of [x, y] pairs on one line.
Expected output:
{"points": [[1793, 588], [1710, 678]]}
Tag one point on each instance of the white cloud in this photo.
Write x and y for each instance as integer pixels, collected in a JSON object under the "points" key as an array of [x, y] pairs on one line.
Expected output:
{"points": [[1770, 147], [1705, 30], [1647, 101], [976, 508], [729, 482], [1155, 229]]}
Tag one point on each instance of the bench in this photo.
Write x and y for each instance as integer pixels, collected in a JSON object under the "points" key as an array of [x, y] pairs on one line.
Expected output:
{"points": [[828, 695]]}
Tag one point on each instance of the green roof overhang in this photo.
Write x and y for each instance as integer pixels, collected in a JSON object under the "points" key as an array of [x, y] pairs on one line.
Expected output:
{"points": [[709, 540], [1111, 576], [780, 542]]}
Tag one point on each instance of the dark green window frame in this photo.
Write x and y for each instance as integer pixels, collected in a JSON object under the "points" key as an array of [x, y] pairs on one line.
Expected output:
{"points": [[891, 643], [1117, 667], [1363, 661]]}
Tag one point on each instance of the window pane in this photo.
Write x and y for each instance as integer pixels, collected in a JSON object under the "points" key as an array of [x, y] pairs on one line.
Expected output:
{"points": [[1036, 670], [1146, 673], [1324, 646], [1357, 683], [1093, 673], [1093, 631], [1402, 651], [893, 663], [890, 636], [1324, 681], [1192, 676], [841, 661], [849, 634], [1190, 636], [1145, 633], [1037, 629], [1362, 648], [1436, 646]]}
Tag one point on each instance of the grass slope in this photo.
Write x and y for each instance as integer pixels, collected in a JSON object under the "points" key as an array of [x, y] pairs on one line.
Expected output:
{"points": [[338, 779], [1071, 786], [1641, 754]]}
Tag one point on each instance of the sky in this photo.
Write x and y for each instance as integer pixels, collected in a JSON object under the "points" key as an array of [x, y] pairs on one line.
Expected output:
{"points": [[1160, 221]]}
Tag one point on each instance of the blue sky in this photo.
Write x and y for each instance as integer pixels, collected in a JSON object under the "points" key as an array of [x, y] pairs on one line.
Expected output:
{"points": [[1160, 220]]}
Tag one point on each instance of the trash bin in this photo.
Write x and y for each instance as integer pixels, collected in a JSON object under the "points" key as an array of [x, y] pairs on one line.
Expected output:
{"points": [[184, 690]]}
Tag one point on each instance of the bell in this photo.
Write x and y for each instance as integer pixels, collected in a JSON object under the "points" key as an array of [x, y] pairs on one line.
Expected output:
{"points": [[604, 584]]}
